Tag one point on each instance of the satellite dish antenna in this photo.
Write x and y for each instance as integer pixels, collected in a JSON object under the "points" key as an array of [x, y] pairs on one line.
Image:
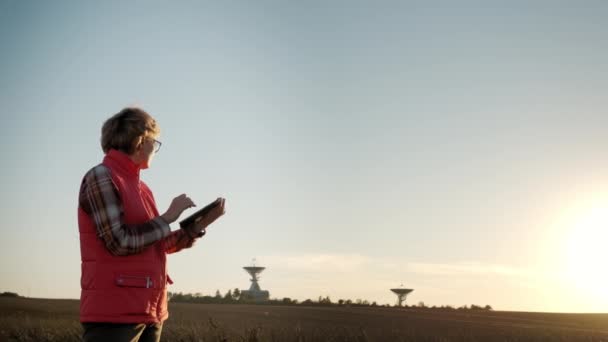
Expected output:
{"points": [[254, 290], [401, 294]]}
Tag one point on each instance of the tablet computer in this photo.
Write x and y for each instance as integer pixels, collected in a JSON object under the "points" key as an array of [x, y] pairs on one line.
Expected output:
{"points": [[200, 213]]}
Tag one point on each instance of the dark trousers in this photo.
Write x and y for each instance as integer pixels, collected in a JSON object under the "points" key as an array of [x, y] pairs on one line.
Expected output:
{"points": [[98, 332]]}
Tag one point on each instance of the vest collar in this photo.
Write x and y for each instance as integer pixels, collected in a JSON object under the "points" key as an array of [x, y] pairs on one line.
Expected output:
{"points": [[122, 161]]}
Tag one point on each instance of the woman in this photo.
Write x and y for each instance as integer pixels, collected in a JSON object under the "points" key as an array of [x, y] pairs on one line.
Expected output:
{"points": [[124, 240]]}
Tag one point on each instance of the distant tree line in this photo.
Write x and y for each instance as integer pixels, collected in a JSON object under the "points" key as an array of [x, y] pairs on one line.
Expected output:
{"points": [[235, 297], [9, 294]]}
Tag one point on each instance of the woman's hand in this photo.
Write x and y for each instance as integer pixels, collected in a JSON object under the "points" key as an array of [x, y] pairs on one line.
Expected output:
{"points": [[203, 222], [177, 207]]}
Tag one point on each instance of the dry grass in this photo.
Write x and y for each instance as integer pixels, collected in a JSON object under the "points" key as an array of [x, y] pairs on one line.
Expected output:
{"points": [[23, 319]]}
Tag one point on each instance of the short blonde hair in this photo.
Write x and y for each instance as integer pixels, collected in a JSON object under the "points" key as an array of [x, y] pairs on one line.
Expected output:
{"points": [[126, 129]]}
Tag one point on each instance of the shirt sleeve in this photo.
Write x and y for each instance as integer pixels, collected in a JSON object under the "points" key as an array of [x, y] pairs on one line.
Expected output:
{"points": [[100, 199], [179, 240]]}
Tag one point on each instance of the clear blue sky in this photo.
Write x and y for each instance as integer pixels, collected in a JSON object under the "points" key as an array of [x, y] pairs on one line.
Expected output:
{"points": [[451, 148]]}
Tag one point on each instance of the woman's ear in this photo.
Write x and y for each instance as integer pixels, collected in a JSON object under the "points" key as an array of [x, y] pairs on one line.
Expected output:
{"points": [[140, 143]]}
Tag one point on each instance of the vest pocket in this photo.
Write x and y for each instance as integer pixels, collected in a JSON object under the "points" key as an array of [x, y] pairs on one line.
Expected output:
{"points": [[134, 281]]}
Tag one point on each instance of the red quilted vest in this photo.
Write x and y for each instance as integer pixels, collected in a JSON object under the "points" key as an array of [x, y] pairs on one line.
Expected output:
{"points": [[123, 289]]}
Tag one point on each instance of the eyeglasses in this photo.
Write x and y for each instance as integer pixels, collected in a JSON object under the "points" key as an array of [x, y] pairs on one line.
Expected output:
{"points": [[157, 145]]}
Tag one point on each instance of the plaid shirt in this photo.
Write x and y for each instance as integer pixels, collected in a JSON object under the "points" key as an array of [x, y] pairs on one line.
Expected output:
{"points": [[100, 199]]}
